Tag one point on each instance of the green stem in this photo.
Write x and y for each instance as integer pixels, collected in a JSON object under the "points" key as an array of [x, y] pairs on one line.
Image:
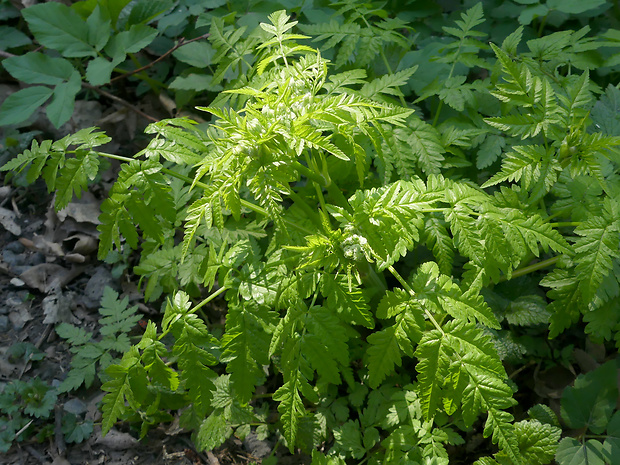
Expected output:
{"points": [[531, 268], [307, 172], [542, 25], [112, 156], [319, 193], [411, 292], [221, 290], [565, 224]]}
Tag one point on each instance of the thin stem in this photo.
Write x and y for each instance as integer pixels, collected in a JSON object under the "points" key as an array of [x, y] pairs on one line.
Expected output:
{"points": [[563, 224], [531, 268], [180, 44], [221, 290], [542, 25], [307, 172], [389, 69], [411, 292], [319, 193], [112, 156], [125, 103]]}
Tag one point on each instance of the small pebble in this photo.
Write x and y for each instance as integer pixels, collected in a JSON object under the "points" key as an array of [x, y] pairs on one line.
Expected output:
{"points": [[37, 258], [15, 247], [12, 259]]}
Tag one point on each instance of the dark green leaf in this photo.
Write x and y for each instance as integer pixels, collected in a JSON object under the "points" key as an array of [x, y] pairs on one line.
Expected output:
{"points": [[60, 28], [37, 68], [19, 106], [98, 28], [60, 109], [591, 401]]}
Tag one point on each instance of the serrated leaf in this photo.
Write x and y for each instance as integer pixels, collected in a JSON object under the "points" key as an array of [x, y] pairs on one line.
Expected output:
{"points": [[566, 307], [60, 108], [595, 250], [74, 177], [58, 27], [489, 151], [131, 41], [543, 414], [11, 37], [98, 27], [245, 345], [117, 317], [99, 70], [351, 302], [499, 426], [572, 452], [538, 442], [37, 68], [388, 84], [574, 7], [291, 407], [197, 54], [213, 431], [426, 146], [325, 343], [118, 389], [191, 349], [144, 11], [348, 440], [437, 291]]}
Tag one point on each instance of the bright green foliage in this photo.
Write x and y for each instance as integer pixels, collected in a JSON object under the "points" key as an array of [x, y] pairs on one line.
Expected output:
{"points": [[372, 253], [92, 356]]}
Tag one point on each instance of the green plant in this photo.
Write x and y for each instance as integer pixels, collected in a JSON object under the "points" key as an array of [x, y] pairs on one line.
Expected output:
{"points": [[92, 357], [354, 243], [589, 408], [26, 408], [22, 403]]}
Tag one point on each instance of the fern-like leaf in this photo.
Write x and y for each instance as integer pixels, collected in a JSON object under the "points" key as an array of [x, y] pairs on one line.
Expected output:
{"points": [[386, 345], [246, 344], [567, 301], [595, 251], [117, 317], [325, 343], [191, 350], [437, 291], [119, 389], [346, 299]]}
